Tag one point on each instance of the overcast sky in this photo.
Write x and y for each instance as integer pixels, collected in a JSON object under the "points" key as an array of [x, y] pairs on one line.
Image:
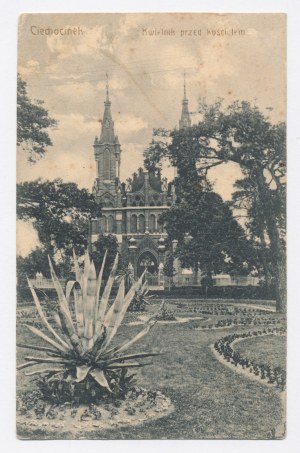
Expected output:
{"points": [[145, 79]]}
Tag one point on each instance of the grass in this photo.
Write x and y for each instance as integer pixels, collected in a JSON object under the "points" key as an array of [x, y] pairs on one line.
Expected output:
{"points": [[270, 350], [210, 400]]}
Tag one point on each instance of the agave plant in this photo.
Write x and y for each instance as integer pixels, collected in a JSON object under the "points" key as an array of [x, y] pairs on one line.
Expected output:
{"points": [[141, 299], [80, 345]]}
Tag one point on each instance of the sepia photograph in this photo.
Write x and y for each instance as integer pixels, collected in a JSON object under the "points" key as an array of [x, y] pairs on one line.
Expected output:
{"points": [[151, 226]]}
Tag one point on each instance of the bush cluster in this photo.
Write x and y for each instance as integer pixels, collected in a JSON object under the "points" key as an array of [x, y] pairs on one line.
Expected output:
{"points": [[273, 375], [219, 309], [243, 322], [222, 292], [136, 399], [165, 315]]}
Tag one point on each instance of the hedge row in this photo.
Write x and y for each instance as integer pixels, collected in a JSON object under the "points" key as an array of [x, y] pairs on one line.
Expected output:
{"points": [[273, 375]]}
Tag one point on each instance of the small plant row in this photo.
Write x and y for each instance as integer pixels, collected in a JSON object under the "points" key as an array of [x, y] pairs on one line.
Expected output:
{"points": [[135, 399], [219, 309], [272, 375], [165, 315], [242, 322]]}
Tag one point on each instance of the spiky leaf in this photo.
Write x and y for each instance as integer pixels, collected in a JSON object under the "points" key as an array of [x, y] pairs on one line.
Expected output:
{"points": [[99, 283], [78, 272], [90, 306], [99, 377], [45, 371], [82, 372], [40, 334], [105, 295], [42, 316]]}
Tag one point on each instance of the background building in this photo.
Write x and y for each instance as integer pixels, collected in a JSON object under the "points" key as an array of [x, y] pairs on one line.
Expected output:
{"points": [[131, 210]]}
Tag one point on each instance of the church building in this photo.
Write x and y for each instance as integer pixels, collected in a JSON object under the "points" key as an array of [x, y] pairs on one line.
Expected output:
{"points": [[131, 209]]}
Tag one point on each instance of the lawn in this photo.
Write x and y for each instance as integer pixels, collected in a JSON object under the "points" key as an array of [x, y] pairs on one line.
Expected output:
{"points": [[270, 350], [211, 400]]}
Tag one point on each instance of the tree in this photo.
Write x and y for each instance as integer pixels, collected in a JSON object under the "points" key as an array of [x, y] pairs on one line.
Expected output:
{"points": [[60, 212], [241, 134], [37, 261], [33, 121], [246, 201], [207, 282], [105, 242], [169, 269], [208, 235]]}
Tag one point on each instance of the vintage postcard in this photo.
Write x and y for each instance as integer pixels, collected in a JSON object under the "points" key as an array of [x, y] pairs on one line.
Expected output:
{"points": [[151, 292]]}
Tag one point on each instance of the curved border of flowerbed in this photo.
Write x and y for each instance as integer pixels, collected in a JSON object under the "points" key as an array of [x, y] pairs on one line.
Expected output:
{"points": [[275, 376], [242, 322], [139, 406]]}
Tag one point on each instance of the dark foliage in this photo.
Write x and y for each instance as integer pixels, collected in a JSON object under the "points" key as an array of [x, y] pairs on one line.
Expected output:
{"points": [[242, 135], [58, 391], [33, 122], [109, 243], [272, 375], [208, 235], [140, 300], [60, 212]]}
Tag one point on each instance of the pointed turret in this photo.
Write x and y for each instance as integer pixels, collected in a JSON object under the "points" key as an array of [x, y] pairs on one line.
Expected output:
{"points": [[107, 152], [107, 135], [185, 120]]}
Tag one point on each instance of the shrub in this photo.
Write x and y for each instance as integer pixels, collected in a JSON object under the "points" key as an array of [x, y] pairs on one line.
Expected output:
{"points": [[141, 299], [80, 364], [224, 348], [165, 315]]}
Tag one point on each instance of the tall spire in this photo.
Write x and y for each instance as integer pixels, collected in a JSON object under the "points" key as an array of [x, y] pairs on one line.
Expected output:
{"points": [[107, 130], [185, 120]]}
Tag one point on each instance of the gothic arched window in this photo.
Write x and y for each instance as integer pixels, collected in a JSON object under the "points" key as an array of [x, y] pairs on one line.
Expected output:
{"points": [[106, 164], [141, 223], [103, 222], [152, 221], [110, 224], [160, 227], [133, 223]]}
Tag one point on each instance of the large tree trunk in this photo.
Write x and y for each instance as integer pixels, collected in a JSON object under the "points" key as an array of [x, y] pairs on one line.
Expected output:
{"points": [[264, 260], [277, 254]]}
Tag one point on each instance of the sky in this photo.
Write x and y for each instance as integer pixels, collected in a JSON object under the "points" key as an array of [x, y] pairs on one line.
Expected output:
{"points": [[68, 72]]}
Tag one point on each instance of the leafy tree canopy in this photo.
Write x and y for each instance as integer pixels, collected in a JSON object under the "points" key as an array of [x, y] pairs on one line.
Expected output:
{"points": [[59, 212], [208, 236], [37, 261], [33, 121], [105, 242], [241, 134]]}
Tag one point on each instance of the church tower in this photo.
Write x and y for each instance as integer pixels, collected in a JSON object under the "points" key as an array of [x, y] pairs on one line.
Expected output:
{"points": [[107, 152], [185, 120]]}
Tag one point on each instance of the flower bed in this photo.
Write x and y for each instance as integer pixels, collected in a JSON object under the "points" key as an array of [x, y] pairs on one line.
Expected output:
{"points": [[79, 375], [271, 375], [245, 321], [138, 406], [219, 309]]}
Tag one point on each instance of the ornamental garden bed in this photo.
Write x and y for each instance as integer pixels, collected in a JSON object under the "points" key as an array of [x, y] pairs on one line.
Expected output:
{"points": [[74, 420], [201, 390], [253, 357]]}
